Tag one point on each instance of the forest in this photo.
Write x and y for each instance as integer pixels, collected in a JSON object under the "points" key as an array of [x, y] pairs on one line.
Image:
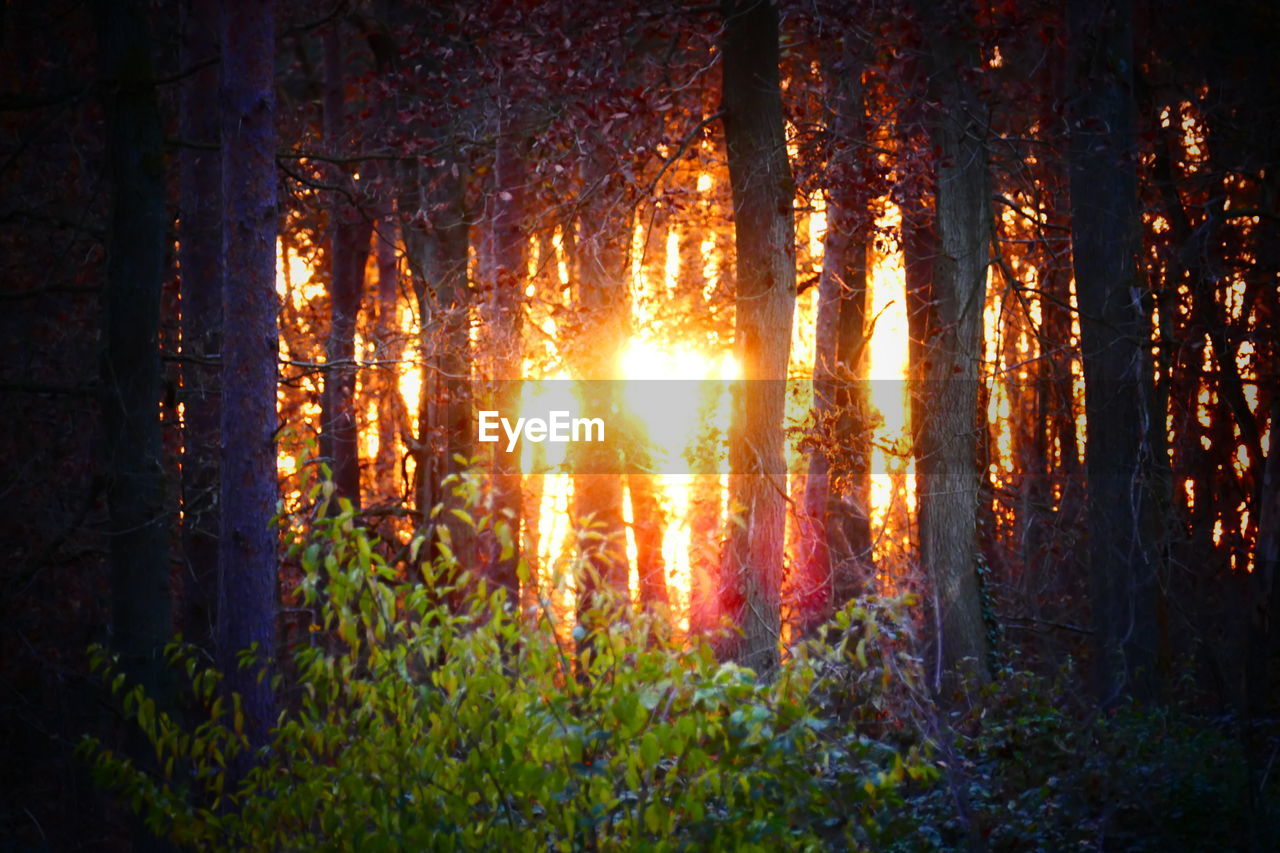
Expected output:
{"points": [[665, 425]]}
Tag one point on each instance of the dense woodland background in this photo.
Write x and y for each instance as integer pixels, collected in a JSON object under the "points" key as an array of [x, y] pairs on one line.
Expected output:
{"points": [[1018, 260]]}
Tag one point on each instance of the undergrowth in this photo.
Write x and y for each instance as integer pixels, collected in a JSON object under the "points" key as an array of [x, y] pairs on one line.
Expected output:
{"points": [[434, 715]]}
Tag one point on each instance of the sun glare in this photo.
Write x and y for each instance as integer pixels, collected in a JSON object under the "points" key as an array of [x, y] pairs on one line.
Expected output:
{"points": [[674, 388]]}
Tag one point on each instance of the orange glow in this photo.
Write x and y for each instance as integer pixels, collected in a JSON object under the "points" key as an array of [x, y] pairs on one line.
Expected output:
{"points": [[656, 350]]}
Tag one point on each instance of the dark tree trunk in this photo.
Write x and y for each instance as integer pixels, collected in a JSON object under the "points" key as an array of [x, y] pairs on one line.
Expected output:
{"points": [[1054, 571], [394, 421], [764, 223], [648, 523], [200, 274], [837, 496], [138, 514], [948, 427], [1265, 591], [919, 247], [1114, 342], [437, 251], [1263, 632], [390, 349], [247, 540], [349, 230], [503, 274]]}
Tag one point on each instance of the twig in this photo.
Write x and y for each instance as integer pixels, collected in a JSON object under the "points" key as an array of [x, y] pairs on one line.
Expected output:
{"points": [[682, 148]]}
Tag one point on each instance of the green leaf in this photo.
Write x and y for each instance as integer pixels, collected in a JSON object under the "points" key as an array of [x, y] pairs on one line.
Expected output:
{"points": [[650, 751]]}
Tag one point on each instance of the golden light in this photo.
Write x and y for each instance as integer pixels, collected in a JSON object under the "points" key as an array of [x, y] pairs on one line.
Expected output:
{"points": [[659, 366], [892, 465]]}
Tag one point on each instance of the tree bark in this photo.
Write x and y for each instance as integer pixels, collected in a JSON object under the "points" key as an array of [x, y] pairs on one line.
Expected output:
{"points": [[137, 511], [390, 348], [919, 248], [948, 428], [503, 272], [648, 522], [1105, 232], [349, 231], [247, 540], [764, 224], [200, 276], [1263, 632], [437, 238], [837, 496]]}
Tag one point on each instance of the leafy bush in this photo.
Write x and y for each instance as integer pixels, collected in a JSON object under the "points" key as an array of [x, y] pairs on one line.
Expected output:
{"points": [[432, 715], [1031, 767]]}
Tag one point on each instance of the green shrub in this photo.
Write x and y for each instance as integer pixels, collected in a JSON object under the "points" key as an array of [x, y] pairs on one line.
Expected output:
{"points": [[433, 716]]}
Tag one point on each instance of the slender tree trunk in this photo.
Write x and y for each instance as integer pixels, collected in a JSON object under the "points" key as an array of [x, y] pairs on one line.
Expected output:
{"points": [[919, 248], [837, 497], [949, 430], [349, 231], [1263, 633], [1053, 571], [247, 540], [137, 511], [394, 421], [764, 223], [1056, 571], [434, 224], [1114, 341], [200, 272], [437, 251], [390, 349], [503, 274]]}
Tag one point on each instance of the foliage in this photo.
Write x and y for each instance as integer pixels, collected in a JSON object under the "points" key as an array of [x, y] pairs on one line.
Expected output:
{"points": [[432, 715], [1029, 768]]}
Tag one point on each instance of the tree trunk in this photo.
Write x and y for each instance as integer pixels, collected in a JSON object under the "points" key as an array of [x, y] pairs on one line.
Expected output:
{"points": [[1105, 232], [649, 523], [1263, 632], [1265, 591], [349, 231], [503, 273], [837, 497], [200, 271], [137, 510], [390, 349], [247, 540], [764, 224], [948, 427], [919, 248], [437, 251], [1054, 571]]}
